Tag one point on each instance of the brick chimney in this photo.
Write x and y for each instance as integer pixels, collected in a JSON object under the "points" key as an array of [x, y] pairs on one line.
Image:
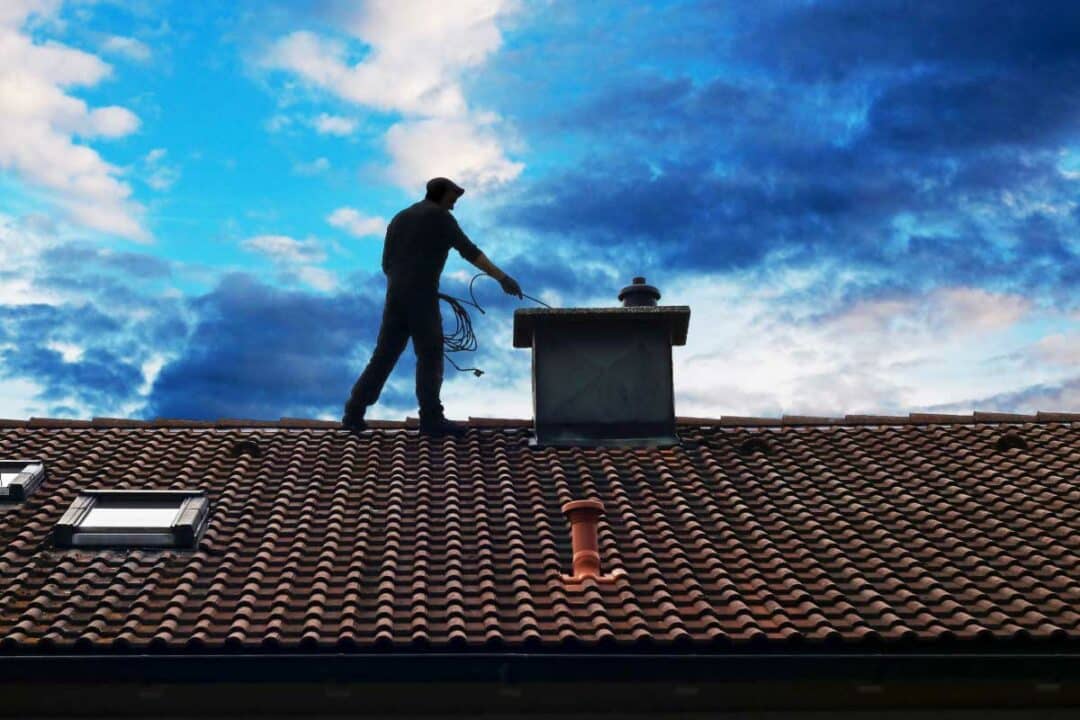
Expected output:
{"points": [[602, 376]]}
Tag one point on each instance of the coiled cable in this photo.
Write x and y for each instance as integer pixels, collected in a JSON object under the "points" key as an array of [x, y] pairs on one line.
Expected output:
{"points": [[463, 339]]}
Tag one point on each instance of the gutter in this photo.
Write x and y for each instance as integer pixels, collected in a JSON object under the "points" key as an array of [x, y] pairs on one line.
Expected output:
{"points": [[540, 667], [516, 684]]}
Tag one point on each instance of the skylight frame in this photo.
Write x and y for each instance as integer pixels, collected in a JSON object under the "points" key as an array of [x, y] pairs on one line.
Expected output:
{"points": [[31, 473], [188, 525]]}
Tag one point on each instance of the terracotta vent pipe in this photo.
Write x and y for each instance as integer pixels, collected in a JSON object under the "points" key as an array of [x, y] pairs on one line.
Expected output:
{"points": [[584, 516]]}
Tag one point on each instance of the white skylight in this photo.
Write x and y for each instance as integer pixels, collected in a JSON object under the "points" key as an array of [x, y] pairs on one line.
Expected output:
{"points": [[136, 516], [19, 478]]}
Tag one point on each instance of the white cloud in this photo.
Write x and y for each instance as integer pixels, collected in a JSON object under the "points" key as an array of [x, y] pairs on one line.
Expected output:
{"points": [[956, 310], [466, 396], [334, 124], [973, 309], [296, 259], [39, 122], [754, 350], [423, 86], [15, 12], [315, 167], [1060, 349], [278, 122], [317, 277], [323, 63], [21, 243], [150, 369], [158, 175], [20, 397], [111, 122], [127, 47], [69, 352], [284, 249], [463, 149], [356, 223], [163, 178]]}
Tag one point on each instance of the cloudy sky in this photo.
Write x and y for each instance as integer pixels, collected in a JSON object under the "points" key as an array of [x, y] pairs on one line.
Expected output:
{"points": [[869, 205]]}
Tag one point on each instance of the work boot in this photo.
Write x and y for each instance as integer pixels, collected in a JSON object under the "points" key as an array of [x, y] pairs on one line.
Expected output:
{"points": [[440, 426], [353, 421]]}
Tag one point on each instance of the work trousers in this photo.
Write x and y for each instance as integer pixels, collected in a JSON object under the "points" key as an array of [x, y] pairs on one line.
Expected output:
{"points": [[414, 314]]}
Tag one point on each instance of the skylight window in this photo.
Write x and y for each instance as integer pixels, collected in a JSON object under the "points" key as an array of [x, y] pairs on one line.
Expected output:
{"points": [[134, 518], [132, 515], [19, 478]]}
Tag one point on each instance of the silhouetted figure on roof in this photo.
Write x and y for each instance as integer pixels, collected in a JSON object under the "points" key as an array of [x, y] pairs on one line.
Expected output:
{"points": [[418, 241]]}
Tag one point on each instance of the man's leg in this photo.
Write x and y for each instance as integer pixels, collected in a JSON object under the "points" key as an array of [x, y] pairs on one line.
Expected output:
{"points": [[425, 326], [393, 336]]}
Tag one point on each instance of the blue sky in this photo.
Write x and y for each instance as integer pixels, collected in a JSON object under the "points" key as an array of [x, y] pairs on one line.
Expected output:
{"points": [[870, 206]]}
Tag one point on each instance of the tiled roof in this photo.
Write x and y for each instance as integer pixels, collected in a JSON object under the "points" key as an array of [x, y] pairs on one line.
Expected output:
{"points": [[799, 532]]}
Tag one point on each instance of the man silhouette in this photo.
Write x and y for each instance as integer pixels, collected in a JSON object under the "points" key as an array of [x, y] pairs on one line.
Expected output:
{"points": [[417, 243]]}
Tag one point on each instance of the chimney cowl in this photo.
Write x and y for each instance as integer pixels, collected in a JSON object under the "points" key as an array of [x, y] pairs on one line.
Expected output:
{"points": [[584, 517], [638, 294]]}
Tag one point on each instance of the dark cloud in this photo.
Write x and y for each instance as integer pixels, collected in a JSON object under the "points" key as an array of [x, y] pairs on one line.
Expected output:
{"points": [[106, 376], [689, 216], [81, 256], [245, 349], [541, 271], [263, 352], [112, 332], [1047, 397], [24, 324], [649, 109], [99, 379], [914, 142], [653, 118], [831, 40], [1018, 107]]}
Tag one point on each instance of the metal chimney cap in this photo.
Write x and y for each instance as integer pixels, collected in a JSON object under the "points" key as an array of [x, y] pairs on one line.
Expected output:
{"points": [[638, 294]]}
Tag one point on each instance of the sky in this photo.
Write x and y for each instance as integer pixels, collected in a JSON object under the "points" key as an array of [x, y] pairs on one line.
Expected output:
{"points": [[871, 206]]}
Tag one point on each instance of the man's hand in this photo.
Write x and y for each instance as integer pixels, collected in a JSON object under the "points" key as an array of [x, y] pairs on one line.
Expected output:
{"points": [[510, 286]]}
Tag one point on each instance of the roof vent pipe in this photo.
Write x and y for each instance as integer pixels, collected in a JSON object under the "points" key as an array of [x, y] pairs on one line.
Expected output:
{"points": [[584, 516]]}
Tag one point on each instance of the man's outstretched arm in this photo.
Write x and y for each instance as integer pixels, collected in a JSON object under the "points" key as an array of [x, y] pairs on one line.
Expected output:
{"points": [[509, 284], [473, 254]]}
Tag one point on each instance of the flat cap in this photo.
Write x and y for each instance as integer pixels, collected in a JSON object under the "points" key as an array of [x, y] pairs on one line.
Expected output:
{"points": [[437, 187]]}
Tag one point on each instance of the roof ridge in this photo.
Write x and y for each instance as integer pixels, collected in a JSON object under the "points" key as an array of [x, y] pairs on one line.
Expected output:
{"points": [[975, 418]]}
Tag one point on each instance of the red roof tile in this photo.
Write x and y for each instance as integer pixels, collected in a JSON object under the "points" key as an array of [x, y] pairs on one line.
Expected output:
{"points": [[876, 529]]}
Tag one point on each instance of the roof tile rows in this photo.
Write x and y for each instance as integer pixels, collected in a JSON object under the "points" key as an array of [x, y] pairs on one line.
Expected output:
{"points": [[318, 539]]}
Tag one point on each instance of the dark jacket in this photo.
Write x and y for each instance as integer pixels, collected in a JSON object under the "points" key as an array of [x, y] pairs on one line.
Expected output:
{"points": [[418, 241]]}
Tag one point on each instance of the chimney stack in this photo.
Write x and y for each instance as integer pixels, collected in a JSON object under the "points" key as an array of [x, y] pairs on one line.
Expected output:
{"points": [[584, 516], [603, 376]]}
